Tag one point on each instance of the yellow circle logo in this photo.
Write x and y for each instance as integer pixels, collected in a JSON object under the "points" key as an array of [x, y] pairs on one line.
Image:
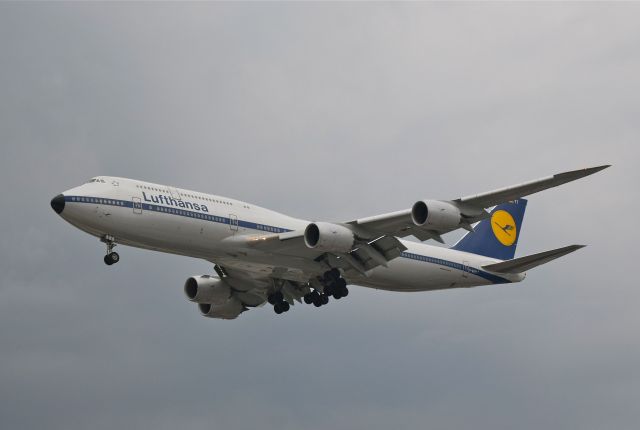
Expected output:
{"points": [[504, 227]]}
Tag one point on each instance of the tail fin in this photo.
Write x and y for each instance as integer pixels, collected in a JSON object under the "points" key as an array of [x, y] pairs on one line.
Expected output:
{"points": [[496, 236]]}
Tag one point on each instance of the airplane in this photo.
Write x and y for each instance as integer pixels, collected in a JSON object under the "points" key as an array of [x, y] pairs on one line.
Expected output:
{"points": [[262, 256]]}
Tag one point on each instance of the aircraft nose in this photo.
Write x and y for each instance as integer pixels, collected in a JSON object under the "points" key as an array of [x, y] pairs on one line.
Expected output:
{"points": [[57, 203]]}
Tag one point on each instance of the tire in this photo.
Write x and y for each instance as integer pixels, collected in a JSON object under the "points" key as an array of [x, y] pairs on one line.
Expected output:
{"points": [[334, 273], [341, 283], [325, 299], [285, 306], [308, 299], [107, 260], [345, 292], [115, 257], [278, 309]]}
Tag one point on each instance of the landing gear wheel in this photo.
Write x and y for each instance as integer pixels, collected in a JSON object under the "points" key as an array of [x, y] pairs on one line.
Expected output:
{"points": [[324, 299], [281, 307], [111, 258], [317, 301], [114, 257], [341, 290], [330, 276], [308, 298]]}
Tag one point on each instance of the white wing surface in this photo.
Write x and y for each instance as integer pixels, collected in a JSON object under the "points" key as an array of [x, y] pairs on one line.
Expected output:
{"points": [[430, 219]]}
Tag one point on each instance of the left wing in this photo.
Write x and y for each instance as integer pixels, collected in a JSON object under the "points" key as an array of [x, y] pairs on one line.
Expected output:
{"points": [[234, 291], [293, 260]]}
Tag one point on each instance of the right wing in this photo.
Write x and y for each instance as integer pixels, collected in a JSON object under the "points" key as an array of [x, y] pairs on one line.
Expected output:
{"points": [[495, 197], [471, 208]]}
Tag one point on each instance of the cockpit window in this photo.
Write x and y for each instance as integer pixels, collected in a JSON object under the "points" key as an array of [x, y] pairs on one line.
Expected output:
{"points": [[96, 180]]}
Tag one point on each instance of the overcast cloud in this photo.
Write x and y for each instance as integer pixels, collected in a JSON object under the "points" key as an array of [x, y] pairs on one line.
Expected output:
{"points": [[322, 111]]}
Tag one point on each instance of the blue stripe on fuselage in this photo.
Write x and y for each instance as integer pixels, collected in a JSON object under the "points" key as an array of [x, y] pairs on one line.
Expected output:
{"points": [[174, 211], [446, 263], [268, 228]]}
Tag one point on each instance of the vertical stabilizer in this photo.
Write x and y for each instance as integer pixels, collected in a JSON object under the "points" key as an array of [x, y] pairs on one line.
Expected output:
{"points": [[496, 236]]}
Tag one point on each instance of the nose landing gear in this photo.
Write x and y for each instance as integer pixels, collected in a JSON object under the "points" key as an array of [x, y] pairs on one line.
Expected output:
{"points": [[111, 257]]}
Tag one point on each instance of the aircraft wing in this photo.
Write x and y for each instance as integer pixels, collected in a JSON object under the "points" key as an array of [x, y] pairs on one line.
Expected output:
{"points": [[293, 268], [250, 287], [469, 209], [376, 238], [299, 262]]}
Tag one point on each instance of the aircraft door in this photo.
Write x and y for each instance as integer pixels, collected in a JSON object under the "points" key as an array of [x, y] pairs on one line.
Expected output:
{"points": [[174, 193], [465, 269], [137, 205], [233, 222]]}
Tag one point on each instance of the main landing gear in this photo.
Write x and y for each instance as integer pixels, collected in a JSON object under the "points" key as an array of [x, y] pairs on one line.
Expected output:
{"points": [[111, 257], [278, 302], [334, 285]]}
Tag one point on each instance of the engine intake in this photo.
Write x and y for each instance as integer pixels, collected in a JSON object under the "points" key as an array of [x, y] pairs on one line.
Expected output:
{"points": [[207, 289], [325, 236], [435, 214]]}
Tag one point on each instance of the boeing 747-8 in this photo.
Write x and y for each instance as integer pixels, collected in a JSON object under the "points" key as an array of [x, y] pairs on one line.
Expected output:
{"points": [[263, 256]]}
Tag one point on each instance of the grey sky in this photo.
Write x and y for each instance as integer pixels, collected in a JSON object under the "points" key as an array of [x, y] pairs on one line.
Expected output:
{"points": [[323, 111]]}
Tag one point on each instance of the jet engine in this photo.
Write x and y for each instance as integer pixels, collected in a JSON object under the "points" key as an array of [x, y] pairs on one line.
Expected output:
{"points": [[436, 215], [227, 311], [329, 237], [207, 289]]}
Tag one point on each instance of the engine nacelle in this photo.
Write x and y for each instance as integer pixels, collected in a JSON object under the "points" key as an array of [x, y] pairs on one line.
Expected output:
{"points": [[435, 214], [325, 236], [227, 311], [207, 289]]}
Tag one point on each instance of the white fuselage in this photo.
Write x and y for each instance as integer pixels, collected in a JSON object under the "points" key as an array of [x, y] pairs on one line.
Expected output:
{"points": [[179, 221]]}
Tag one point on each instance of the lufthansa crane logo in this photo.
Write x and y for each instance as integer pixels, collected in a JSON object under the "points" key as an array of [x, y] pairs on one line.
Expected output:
{"points": [[504, 227]]}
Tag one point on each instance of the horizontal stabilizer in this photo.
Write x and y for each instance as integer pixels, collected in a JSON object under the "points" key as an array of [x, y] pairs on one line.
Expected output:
{"points": [[522, 264]]}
